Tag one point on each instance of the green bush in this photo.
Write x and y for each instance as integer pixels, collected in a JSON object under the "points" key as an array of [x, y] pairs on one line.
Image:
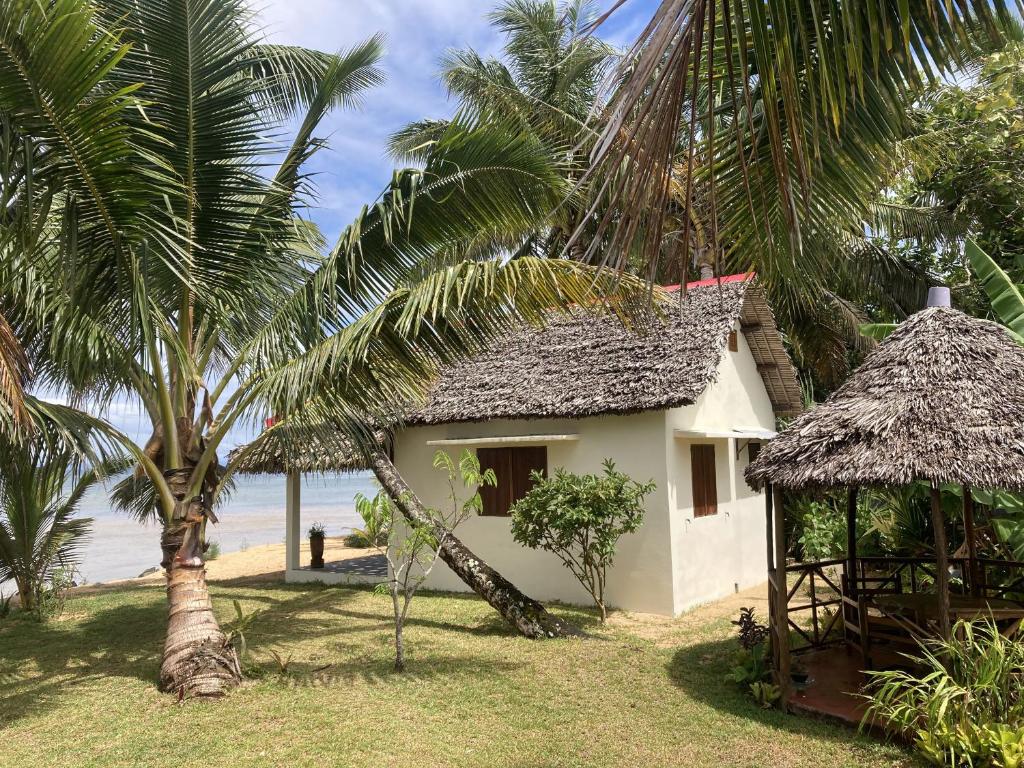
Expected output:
{"points": [[359, 538], [580, 518], [212, 550], [965, 706]]}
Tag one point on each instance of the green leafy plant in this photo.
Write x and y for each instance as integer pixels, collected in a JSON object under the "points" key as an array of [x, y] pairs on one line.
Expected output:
{"points": [[317, 531], [360, 539], [964, 706], [750, 664], [765, 694], [412, 547], [5, 606], [580, 518], [41, 536], [52, 596], [212, 550], [235, 630]]}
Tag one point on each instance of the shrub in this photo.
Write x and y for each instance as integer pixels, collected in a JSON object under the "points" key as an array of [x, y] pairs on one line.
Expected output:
{"points": [[967, 705], [360, 538], [580, 518], [52, 596], [212, 550], [751, 667], [412, 547]]}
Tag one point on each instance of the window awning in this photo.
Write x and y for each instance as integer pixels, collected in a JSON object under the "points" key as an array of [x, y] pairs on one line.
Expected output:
{"points": [[505, 440], [741, 433]]}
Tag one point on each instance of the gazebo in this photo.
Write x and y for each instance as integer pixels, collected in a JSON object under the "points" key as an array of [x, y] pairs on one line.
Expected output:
{"points": [[939, 402], [295, 452]]}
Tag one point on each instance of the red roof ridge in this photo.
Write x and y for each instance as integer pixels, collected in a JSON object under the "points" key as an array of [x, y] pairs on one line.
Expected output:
{"points": [[738, 278]]}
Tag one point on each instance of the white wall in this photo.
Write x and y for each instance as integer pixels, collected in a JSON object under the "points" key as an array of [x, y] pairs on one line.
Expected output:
{"points": [[713, 555], [641, 578]]}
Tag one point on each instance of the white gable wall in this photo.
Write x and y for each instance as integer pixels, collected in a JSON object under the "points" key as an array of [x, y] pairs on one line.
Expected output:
{"points": [[641, 579], [714, 555]]}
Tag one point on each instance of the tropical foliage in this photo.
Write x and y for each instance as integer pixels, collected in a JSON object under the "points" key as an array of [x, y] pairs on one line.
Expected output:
{"points": [[965, 707], [544, 87], [580, 518], [176, 272], [411, 548], [41, 535]]}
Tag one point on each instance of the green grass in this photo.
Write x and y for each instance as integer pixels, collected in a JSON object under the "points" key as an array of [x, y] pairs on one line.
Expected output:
{"points": [[80, 691]]}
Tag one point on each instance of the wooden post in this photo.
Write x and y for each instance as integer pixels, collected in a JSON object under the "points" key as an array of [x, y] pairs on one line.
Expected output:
{"points": [[769, 536], [851, 541], [293, 522], [781, 597], [972, 544], [941, 563]]}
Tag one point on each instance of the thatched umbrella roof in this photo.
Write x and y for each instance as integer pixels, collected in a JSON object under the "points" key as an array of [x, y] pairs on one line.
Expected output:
{"points": [[579, 365], [940, 400]]}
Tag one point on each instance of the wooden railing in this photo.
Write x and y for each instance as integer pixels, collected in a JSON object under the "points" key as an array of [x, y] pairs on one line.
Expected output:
{"points": [[812, 590], [898, 575], [1000, 578]]}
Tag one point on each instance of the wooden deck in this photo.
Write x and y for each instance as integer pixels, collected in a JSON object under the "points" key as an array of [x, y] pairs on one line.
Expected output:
{"points": [[835, 680]]}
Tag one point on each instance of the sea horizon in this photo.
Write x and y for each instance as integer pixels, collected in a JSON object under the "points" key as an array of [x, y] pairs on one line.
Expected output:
{"points": [[119, 547]]}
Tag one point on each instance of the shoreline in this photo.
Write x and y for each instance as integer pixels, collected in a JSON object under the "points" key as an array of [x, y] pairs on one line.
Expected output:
{"points": [[260, 563]]}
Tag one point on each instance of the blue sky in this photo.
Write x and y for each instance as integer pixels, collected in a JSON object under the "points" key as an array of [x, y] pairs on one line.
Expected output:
{"points": [[354, 168]]}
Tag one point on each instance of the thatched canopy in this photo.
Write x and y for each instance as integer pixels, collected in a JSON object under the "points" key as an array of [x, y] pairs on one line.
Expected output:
{"points": [[284, 449], [582, 365], [940, 400]]}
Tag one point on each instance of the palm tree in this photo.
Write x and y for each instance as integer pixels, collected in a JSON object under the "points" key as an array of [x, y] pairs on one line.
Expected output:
{"points": [[201, 292], [39, 530], [770, 130], [546, 85]]}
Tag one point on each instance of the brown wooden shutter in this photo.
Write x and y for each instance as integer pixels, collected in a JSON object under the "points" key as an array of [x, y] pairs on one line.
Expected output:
{"points": [[512, 466], [734, 344], [525, 461], [497, 498], [705, 488]]}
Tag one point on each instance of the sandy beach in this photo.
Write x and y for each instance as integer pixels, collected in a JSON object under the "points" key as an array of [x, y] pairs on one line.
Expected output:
{"points": [[265, 562]]}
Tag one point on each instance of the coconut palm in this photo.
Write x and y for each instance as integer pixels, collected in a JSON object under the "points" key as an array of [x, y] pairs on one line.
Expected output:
{"points": [[546, 84], [772, 128], [40, 531], [208, 299]]}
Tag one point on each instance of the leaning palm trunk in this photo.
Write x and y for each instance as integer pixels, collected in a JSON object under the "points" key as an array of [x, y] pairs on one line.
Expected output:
{"points": [[199, 660], [524, 613]]}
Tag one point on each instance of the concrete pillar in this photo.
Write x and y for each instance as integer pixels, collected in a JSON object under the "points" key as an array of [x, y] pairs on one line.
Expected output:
{"points": [[293, 521]]}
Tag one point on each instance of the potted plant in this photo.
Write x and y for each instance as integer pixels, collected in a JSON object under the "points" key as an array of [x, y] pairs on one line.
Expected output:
{"points": [[317, 533]]}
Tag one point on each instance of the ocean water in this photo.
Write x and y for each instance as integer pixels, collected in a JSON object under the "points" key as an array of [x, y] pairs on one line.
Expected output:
{"points": [[121, 548]]}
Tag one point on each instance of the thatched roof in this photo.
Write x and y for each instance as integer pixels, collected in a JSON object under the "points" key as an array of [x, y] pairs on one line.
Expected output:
{"points": [[584, 365], [284, 449], [581, 365], [940, 400]]}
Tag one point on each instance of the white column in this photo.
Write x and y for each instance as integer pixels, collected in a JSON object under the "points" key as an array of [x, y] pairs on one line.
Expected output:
{"points": [[731, 446], [293, 522]]}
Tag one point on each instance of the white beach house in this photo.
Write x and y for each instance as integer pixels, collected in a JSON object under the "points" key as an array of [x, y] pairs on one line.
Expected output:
{"points": [[686, 404]]}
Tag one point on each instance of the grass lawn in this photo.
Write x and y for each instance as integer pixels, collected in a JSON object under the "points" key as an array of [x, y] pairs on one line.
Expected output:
{"points": [[80, 691]]}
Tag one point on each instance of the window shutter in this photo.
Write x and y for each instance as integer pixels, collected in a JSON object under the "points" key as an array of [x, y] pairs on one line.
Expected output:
{"points": [[496, 498], [525, 461], [512, 466], [705, 489], [734, 343]]}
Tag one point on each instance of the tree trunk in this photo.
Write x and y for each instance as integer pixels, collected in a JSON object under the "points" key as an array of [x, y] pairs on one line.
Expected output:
{"points": [[198, 659], [528, 616]]}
